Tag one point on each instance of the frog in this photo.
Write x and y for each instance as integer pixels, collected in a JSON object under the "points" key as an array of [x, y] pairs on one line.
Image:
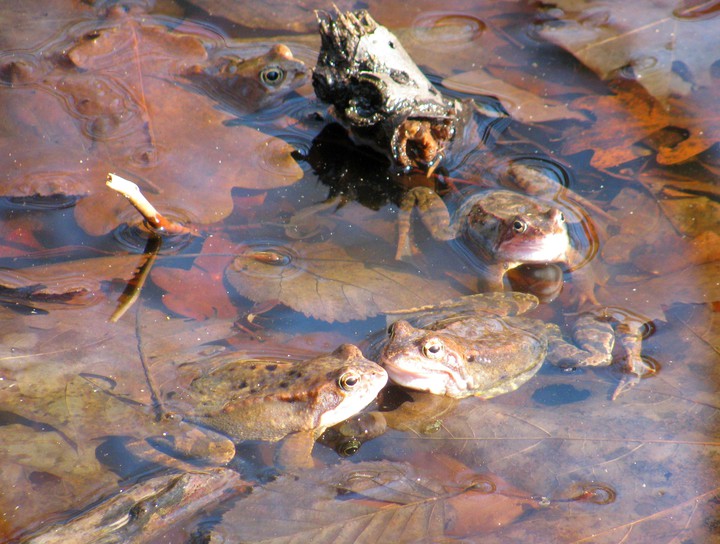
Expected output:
{"points": [[249, 84], [500, 229], [482, 346], [272, 401]]}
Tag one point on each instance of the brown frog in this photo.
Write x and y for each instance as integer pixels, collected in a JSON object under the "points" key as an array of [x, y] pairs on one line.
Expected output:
{"points": [[275, 400], [503, 229], [250, 84], [487, 350]]}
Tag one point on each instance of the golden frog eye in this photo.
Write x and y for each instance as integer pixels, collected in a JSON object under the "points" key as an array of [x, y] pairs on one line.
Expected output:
{"points": [[433, 349], [561, 217], [347, 381], [349, 447], [272, 76], [519, 226]]}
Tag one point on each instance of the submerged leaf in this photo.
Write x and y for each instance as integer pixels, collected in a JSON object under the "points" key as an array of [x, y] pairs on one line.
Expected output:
{"points": [[121, 106], [644, 40], [373, 502], [330, 282], [522, 105]]}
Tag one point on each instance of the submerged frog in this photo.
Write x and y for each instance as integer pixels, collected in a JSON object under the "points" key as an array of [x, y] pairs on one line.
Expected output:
{"points": [[275, 400], [250, 84], [503, 229], [486, 350]]}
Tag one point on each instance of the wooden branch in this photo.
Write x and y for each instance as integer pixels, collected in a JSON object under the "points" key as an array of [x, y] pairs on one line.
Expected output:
{"points": [[153, 217]]}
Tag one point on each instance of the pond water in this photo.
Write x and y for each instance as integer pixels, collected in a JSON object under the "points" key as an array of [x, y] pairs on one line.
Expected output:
{"points": [[293, 253]]}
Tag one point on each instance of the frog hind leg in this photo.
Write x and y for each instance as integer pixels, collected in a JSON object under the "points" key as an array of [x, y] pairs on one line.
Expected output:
{"points": [[594, 348], [434, 215]]}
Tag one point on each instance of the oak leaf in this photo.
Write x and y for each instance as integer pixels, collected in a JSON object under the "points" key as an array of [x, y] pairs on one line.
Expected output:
{"points": [[119, 106]]}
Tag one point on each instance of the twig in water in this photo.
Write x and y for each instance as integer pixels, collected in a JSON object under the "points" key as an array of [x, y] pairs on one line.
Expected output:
{"points": [[153, 217]]}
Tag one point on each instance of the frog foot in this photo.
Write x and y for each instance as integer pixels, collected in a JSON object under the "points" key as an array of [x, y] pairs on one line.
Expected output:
{"points": [[420, 143]]}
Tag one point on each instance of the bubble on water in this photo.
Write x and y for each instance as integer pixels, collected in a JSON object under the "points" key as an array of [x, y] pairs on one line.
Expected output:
{"points": [[482, 484], [19, 68], [447, 30], [593, 492], [274, 157], [134, 234], [697, 10], [267, 259], [39, 202]]}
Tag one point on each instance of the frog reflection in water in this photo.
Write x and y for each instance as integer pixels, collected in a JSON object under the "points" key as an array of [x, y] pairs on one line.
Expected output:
{"points": [[480, 346], [275, 400], [250, 84], [504, 229]]}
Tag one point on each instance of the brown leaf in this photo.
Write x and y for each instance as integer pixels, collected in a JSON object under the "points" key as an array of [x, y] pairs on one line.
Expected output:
{"points": [[621, 121], [519, 103], [24, 29], [330, 282], [271, 14], [691, 285], [83, 282], [208, 297], [689, 203], [375, 502], [641, 39], [125, 112]]}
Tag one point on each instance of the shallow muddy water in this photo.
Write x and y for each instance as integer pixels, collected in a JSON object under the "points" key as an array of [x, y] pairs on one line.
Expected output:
{"points": [[293, 254]]}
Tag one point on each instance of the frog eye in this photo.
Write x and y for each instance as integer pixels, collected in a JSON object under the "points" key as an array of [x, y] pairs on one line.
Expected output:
{"points": [[272, 76], [433, 349], [349, 447], [561, 217], [519, 226], [347, 381]]}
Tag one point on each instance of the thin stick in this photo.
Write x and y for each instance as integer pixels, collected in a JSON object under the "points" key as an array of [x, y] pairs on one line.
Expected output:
{"points": [[154, 218], [132, 291]]}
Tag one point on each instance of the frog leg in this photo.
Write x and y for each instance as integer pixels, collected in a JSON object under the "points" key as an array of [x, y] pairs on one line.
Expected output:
{"points": [[295, 450], [591, 350], [434, 215], [595, 334], [184, 450], [630, 329]]}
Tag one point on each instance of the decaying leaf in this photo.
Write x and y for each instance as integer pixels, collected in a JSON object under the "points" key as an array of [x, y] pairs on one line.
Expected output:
{"points": [[83, 281], [330, 282], [692, 285], [373, 502], [630, 117], [519, 103], [274, 14], [121, 105], [691, 205], [207, 275], [668, 47]]}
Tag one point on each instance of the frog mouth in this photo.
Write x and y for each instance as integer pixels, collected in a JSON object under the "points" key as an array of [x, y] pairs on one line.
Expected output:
{"points": [[545, 249], [442, 381], [437, 380]]}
